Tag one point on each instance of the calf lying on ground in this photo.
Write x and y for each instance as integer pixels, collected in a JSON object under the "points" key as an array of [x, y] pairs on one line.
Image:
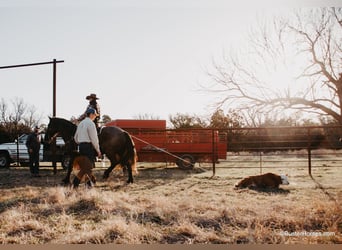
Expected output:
{"points": [[82, 168], [268, 180]]}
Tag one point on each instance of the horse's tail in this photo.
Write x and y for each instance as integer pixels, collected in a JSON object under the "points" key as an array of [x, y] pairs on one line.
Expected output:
{"points": [[131, 154]]}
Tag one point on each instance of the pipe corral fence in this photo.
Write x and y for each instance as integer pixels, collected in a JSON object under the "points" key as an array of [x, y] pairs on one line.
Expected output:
{"points": [[298, 147]]}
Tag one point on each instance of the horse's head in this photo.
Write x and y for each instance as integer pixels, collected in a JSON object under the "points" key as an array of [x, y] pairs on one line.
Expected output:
{"points": [[59, 127], [51, 131]]}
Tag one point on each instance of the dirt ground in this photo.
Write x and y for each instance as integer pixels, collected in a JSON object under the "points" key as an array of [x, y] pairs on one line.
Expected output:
{"points": [[192, 206], [326, 178]]}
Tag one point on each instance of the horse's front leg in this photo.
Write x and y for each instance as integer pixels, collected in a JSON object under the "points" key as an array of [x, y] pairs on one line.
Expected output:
{"points": [[66, 179]]}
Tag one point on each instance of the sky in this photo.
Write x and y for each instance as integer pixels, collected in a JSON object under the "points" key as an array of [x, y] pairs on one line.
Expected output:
{"points": [[139, 56]]}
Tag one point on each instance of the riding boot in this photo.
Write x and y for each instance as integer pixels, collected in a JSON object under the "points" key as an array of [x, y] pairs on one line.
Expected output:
{"points": [[76, 182]]}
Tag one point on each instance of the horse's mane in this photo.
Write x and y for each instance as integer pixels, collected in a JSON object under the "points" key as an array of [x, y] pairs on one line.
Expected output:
{"points": [[63, 123], [63, 120]]}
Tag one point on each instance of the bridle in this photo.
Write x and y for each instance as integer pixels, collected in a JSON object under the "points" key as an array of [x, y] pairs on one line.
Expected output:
{"points": [[53, 138]]}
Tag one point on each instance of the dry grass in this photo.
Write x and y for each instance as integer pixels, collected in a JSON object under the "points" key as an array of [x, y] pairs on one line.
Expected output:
{"points": [[168, 205]]}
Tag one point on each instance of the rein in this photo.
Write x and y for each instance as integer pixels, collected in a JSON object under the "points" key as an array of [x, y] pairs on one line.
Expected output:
{"points": [[53, 138]]}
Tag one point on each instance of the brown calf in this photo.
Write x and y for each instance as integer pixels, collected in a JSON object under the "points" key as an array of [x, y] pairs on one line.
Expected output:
{"points": [[268, 180]]}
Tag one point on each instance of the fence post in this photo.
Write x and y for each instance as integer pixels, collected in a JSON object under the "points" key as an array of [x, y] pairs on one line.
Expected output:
{"points": [[260, 158], [54, 161], [309, 151], [213, 151], [18, 153]]}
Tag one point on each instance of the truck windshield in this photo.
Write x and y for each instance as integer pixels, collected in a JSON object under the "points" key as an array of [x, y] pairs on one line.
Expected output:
{"points": [[22, 138]]}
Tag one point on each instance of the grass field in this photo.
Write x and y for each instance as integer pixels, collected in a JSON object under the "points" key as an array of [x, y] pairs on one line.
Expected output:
{"points": [[169, 205]]}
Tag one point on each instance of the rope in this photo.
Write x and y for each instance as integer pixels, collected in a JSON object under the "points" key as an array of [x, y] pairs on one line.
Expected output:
{"points": [[162, 150]]}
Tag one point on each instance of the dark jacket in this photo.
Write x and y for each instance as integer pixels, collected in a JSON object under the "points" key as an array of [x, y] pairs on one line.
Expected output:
{"points": [[33, 142]]}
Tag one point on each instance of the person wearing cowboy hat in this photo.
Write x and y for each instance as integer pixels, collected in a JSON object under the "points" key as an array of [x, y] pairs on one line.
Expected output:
{"points": [[33, 147], [92, 98]]}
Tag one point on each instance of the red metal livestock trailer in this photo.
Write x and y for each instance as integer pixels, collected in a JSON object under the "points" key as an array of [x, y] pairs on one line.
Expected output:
{"points": [[185, 147]]}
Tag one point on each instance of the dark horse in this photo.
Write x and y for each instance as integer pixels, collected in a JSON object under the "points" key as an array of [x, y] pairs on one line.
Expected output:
{"points": [[115, 143]]}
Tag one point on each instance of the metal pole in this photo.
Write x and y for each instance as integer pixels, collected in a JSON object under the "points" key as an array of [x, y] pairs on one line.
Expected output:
{"points": [[54, 62], [54, 162], [54, 88], [309, 161], [18, 154], [309, 151], [260, 156], [213, 151], [28, 64]]}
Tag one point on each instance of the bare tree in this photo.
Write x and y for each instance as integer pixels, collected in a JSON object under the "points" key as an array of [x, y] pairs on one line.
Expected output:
{"points": [[186, 121], [3, 111], [19, 110], [32, 118], [307, 43], [18, 117], [223, 121]]}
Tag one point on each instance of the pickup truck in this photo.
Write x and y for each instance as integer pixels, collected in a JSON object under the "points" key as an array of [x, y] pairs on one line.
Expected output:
{"points": [[16, 152]]}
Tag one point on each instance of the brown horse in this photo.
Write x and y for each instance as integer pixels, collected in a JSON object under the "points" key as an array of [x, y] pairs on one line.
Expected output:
{"points": [[115, 143]]}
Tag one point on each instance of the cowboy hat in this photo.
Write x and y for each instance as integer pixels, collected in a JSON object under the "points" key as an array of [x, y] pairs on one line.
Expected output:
{"points": [[92, 96]]}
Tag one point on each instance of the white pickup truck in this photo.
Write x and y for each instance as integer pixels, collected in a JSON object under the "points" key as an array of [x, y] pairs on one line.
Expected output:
{"points": [[16, 152]]}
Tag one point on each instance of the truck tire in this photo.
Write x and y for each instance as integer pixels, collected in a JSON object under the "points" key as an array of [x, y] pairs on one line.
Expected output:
{"points": [[4, 160], [188, 162]]}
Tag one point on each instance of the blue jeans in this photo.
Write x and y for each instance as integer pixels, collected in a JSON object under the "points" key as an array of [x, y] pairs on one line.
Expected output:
{"points": [[87, 149]]}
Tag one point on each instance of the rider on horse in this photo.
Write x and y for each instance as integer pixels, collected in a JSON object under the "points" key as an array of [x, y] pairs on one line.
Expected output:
{"points": [[92, 104]]}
